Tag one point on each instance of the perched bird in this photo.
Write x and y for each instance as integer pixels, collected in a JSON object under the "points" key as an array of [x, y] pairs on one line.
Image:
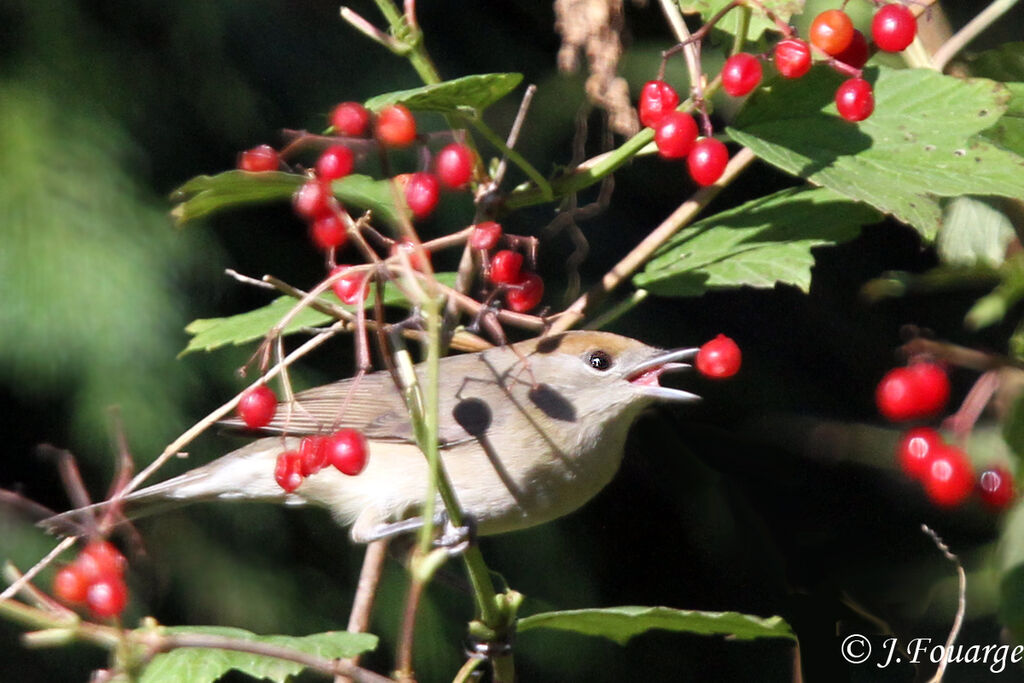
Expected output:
{"points": [[528, 432]]}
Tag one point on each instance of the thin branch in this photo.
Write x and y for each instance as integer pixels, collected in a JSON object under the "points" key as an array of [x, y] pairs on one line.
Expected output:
{"points": [[643, 251], [22, 580], [961, 605], [969, 32]]}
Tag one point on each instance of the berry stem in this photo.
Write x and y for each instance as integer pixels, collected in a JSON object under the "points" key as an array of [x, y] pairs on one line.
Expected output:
{"points": [[543, 186], [963, 420], [969, 32]]}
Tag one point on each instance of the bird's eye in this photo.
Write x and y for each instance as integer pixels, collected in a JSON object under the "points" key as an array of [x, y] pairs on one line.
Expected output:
{"points": [[599, 360]]}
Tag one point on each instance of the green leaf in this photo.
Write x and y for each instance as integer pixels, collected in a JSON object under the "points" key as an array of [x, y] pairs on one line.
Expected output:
{"points": [[202, 665], [921, 142], [206, 194], [992, 308], [619, 624], [974, 231], [1013, 427], [759, 22], [209, 334], [478, 92], [1006, 64], [761, 243]]}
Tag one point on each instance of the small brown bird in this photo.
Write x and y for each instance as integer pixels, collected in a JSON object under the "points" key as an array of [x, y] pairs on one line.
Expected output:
{"points": [[528, 433]]}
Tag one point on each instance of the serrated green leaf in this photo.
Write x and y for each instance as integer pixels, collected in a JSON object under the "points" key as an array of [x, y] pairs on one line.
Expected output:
{"points": [[206, 665], [761, 243], [919, 144], [477, 91], [973, 231], [206, 194], [619, 624], [759, 22], [209, 334]]}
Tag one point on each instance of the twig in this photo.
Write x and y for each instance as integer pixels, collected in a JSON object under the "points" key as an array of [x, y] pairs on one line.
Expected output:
{"points": [[969, 32], [22, 580], [360, 24], [513, 134], [643, 251], [961, 605]]}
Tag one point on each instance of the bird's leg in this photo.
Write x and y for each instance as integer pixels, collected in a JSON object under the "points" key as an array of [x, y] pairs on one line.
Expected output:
{"points": [[456, 539]]}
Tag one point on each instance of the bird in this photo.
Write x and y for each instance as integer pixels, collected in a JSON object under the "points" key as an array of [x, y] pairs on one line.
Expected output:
{"points": [[528, 432]]}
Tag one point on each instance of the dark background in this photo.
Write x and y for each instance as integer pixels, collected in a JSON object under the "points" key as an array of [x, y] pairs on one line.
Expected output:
{"points": [[736, 504]]}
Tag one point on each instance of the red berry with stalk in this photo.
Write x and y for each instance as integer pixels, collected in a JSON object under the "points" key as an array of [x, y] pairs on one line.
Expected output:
{"points": [[350, 288], [656, 99], [347, 451], [421, 191], [259, 159], [917, 391], [395, 126], [916, 449], [454, 165], [526, 293], [107, 596], [350, 119], [719, 358], [70, 585], [995, 485], [741, 74], [893, 28], [288, 471], [855, 100], [485, 236], [792, 57], [856, 53], [328, 232], [337, 161], [312, 455], [707, 161], [313, 200], [257, 406], [505, 267], [831, 31], [675, 135], [949, 478]]}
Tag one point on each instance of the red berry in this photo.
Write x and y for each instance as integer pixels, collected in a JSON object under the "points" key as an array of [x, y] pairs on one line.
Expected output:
{"points": [[526, 293], [656, 99], [313, 200], [741, 74], [675, 135], [916, 449], [396, 126], [346, 450], [100, 558], [792, 57], [288, 471], [337, 161], [485, 235], [414, 256], [831, 31], [707, 161], [996, 487], [349, 288], [893, 28], [719, 358], [949, 478], [917, 391], [258, 159], [454, 165], [350, 118], [421, 192], [312, 454], [328, 232], [854, 99], [257, 406], [107, 596], [70, 585], [505, 267], [856, 53]]}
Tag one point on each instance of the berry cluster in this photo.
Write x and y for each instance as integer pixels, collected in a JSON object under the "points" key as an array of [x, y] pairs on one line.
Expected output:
{"points": [[921, 391], [95, 579], [675, 134], [346, 450]]}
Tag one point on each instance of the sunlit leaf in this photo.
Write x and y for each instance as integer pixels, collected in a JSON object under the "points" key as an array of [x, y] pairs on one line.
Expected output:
{"points": [[478, 92]]}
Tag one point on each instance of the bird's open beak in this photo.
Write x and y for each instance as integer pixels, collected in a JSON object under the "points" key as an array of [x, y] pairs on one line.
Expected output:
{"points": [[645, 375]]}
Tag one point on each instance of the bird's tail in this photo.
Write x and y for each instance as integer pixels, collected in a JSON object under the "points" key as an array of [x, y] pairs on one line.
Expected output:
{"points": [[244, 474]]}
